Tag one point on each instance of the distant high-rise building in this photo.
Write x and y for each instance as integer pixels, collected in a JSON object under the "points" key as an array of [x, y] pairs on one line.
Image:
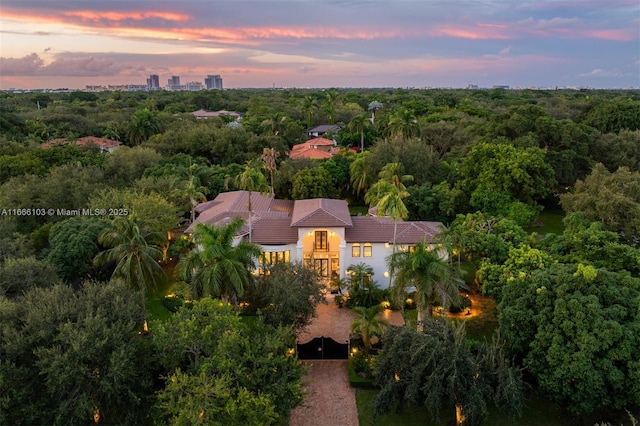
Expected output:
{"points": [[153, 82], [213, 82], [174, 83], [194, 86]]}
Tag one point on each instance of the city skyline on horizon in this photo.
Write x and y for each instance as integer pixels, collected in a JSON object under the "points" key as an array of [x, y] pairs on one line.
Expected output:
{"points": [[312, 44]]}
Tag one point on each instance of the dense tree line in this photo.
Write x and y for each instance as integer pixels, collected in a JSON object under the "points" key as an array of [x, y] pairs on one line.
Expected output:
{"points": [[483, 162]]}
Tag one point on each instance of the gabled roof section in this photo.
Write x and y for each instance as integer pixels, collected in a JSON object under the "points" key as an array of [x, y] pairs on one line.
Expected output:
{"points": [[310, 152], [374, 229], [318, 148], [274, 231], [320, 212], [229, 205]]}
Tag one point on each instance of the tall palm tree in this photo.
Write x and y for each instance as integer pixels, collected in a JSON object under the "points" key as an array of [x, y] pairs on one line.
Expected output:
{"points": [[275, 123], [251, 179], [434, 279], [310, 105], [359, 124], [193, 190], [329, 106], [391, 172], [388, 198], [387, 195], [374, 107], [358, 173], [403, 125], [216, 267], [269, 156], [368, 324], [136, 249]]}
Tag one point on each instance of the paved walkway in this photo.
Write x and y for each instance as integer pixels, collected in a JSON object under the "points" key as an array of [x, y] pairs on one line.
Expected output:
{"points": [[330, 400]]}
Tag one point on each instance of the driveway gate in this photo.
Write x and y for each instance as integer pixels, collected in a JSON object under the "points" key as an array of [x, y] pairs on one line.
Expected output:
{"points": [[323, 348]]}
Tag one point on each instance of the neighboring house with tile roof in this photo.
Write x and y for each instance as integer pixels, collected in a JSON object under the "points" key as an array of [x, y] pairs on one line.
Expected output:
{"points": [[318, 149], [318, 131], [319, 232], [105, 145]]}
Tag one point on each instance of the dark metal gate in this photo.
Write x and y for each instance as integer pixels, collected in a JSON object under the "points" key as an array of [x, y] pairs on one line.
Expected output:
{"points": [[323, 348]]}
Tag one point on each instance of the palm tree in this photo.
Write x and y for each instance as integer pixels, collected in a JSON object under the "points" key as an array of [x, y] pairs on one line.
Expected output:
{"points": [[216, 267], [359, 274], [136, 249], [275, 123], [403, 125], [391, 172], [374, 107], [368, 324], [251, 179], [433, 278], [387, 195], [143, 124], [269, 156], [358, 173], [388, 199], [329, 106], [359, 124], [310, 105], [192, 190]]}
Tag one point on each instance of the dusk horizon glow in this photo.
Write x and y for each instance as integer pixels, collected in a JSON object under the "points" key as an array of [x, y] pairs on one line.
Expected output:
{"points": [[312, 44]]}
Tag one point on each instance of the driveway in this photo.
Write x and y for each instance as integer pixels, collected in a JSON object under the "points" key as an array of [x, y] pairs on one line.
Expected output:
{"points": [[330, 400]]}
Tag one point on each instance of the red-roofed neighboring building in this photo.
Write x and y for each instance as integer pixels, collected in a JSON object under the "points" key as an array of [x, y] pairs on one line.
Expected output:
{"points": [[105, 145], [318, 149], [319, 232]]}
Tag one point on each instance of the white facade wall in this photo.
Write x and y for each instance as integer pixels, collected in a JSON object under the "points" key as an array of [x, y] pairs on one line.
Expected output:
{"points": [[378, 261]]}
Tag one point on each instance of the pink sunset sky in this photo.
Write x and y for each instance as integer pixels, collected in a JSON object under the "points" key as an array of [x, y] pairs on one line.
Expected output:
{"points": [[330, 43]]}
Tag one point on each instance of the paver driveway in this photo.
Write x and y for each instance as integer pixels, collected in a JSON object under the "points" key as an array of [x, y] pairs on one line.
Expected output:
{"points": [[330, 400]]}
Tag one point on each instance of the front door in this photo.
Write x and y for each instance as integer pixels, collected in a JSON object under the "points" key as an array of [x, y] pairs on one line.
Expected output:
{"points": [[322, 268]]}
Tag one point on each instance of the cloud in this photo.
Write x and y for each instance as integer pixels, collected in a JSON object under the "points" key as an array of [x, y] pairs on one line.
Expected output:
{"points": [[557, 23], [505, 51], [27, 65], [71, 65], [600, 73]]}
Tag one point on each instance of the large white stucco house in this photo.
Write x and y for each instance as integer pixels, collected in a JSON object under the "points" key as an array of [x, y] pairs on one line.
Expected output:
{"points": [[319, 232]]}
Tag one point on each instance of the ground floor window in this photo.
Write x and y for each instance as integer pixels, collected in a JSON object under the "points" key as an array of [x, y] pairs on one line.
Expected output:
{"points": [[269, 258]]}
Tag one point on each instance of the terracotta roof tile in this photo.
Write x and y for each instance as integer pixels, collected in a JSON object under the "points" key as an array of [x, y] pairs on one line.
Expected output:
{"points": [[373, 229], [274, 231], [321, 212]]}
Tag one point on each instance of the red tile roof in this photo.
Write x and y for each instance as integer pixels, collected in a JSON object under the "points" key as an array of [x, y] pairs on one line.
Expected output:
{"points": [[373, 229], [277, 221], [318, 148], [320, 212]]}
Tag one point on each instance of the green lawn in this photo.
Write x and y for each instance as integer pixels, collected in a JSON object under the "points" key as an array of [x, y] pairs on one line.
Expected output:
{"points": [[155, 308], [537, 412]]}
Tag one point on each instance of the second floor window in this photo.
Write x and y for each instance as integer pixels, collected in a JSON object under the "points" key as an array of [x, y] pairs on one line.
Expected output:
{"points": [[321, 242], [367, 250], [355, 250]]}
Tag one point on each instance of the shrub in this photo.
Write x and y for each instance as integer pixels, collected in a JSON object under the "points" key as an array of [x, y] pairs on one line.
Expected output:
{"points": [[172, 303], [460, 305]]}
